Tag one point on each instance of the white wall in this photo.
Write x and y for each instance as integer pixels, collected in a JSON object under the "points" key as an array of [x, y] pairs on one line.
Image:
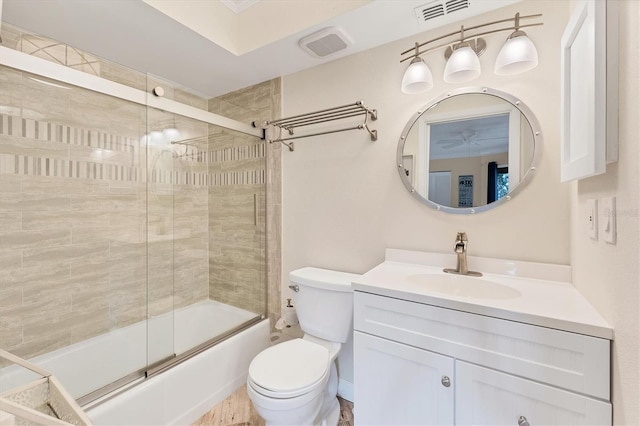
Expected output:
{"points": [[608, 275], [343, 200]]}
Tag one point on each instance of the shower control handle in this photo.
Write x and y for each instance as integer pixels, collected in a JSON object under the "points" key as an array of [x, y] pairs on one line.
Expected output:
{"points": [[522, 421], [294, 287]]}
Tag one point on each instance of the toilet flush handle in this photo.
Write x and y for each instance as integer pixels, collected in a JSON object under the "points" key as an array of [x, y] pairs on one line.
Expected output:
{"points": [[294, 287]]}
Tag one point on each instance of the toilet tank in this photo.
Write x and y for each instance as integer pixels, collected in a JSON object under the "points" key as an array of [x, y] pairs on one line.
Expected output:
{"points": [[324, 302]]}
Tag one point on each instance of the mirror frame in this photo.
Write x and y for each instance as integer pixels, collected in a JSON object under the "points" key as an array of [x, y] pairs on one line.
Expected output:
{"points": [[517, 103]]}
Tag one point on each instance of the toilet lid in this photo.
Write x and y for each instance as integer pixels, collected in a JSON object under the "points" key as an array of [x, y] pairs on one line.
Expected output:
{"points": [[289, 366]]}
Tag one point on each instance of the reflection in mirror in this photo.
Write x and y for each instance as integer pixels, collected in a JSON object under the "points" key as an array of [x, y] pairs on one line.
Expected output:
{"points": [[468, 150]]}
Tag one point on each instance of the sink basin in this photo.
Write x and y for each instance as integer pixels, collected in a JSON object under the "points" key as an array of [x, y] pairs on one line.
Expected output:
{"points": [[463, 286]]}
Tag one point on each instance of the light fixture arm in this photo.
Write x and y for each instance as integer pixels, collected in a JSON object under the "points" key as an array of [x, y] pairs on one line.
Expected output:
{"points": [[515, 27]]}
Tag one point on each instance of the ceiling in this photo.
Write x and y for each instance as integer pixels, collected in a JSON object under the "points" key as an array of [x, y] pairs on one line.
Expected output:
{"points": [[204, 46], [473, 137]]}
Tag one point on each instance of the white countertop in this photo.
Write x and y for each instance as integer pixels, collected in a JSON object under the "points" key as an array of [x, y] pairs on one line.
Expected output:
{"points": [[552, 303]]}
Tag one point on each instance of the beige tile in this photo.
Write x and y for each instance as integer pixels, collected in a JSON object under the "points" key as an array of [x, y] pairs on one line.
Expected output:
{"points": [[48, 342], [44, 310], [91, 296], [42, 220], [10, 259], [11, 202], [39, 257], [73, 322], [123, 75], [10, 298], [10, 335], [37, 292], [32, 239], [15, 276], [33, 148], [10, 184]]}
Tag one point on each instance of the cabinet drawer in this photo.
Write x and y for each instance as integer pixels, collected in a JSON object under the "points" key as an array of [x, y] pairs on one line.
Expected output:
{"points": [[567, 360], [488, 397]]}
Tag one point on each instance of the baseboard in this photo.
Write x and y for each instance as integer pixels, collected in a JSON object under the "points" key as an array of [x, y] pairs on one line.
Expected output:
{"points": [[345, 390]]}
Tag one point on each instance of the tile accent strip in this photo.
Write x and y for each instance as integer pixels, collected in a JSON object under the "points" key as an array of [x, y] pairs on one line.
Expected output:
{"points": [[105, 146]]}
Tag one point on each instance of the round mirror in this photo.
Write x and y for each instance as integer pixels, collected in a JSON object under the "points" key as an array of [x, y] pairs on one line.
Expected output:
{"points": [[469, 150]]}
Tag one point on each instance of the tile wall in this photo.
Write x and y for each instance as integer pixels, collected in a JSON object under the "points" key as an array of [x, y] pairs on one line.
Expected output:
{"points": [[72, 214], [244, 217], [92, 209]]}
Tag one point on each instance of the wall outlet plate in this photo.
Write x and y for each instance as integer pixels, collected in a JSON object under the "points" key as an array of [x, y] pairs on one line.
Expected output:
{"points": [[592, 216], [608, 219]]}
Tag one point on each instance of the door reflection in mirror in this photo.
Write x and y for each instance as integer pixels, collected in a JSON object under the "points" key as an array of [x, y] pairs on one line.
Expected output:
{"points": [[468, 150]]}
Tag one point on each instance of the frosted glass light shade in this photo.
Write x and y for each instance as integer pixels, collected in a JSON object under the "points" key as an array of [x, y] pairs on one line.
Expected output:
{"points": [[462, 66], [417, 78], [171, 134], [518, 55]]}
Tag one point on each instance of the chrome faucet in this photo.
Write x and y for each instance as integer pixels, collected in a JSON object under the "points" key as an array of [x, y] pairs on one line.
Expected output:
{"points": [[460, 248]]}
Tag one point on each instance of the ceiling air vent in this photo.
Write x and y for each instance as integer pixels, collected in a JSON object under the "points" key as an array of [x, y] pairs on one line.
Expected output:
{"points": [[438, 8], [455, 5], [429, 11], [325, 42]]}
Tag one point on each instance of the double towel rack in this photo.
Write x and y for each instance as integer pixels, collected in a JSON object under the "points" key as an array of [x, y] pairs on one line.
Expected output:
{"points": [[323, 116]]}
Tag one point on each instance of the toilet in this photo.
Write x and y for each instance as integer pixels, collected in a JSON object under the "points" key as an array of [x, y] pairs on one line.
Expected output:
{"points": [[296, 382]]}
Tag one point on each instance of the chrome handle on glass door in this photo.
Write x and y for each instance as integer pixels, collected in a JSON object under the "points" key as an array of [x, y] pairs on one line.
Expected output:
{"points": [[255, 209]]}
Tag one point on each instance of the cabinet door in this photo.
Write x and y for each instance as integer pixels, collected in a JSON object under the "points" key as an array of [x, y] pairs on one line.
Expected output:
{"points": [[488, 397], [396, 384]]}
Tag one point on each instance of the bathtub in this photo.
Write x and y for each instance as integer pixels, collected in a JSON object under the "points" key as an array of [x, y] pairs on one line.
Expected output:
{"points": [[177, 396]]}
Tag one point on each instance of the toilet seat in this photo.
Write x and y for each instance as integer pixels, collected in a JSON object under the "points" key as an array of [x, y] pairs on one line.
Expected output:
{"points": [[290, 369]]}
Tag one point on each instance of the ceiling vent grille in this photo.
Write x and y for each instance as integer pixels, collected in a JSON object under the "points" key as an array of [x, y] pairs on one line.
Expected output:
{"points": [[455, 5], [438, 8], [326, 42], [432, 12]]}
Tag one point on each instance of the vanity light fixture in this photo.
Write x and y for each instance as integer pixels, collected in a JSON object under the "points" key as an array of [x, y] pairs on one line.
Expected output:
{"points": [[418, 77], [517, 55], [463, 64]]}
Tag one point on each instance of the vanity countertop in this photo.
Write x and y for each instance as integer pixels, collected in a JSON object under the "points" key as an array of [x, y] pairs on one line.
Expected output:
{"points": [[538, 294]]}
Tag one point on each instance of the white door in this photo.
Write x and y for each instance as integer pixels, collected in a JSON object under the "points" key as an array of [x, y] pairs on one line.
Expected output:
{"points": [[440, 188], [488, 397], [396, 384]]}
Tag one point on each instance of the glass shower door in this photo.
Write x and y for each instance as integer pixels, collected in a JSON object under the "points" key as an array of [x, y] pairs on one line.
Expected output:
{"points": [[206, 224], [72, 231], [160, 236]]}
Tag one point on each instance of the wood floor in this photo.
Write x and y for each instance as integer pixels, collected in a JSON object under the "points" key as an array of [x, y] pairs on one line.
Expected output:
{"points": [[237, 410]]}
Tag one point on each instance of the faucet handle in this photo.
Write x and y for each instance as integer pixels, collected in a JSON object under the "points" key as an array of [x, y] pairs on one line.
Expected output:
{"points": [[460, 245]]}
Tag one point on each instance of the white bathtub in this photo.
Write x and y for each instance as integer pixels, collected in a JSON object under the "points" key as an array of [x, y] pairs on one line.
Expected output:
{"points": [[194, 385]]}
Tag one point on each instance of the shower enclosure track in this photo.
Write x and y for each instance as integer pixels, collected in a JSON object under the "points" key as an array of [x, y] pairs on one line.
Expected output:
{"points": [[41, 67], [104, 394]]}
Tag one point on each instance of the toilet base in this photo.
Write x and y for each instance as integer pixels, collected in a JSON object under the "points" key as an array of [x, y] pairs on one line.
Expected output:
{"points": [[326, 413], [331, 414]]}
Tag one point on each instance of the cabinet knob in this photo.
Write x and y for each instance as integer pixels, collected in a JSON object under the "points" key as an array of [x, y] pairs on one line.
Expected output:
{"points": [[522, 421], [446, 382]]}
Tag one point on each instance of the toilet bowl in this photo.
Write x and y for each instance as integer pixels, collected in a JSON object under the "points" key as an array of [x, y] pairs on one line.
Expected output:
{"points": [[286, 382], [296, 382]]}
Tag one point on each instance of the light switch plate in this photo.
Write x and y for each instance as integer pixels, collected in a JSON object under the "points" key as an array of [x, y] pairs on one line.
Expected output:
{"points": [[592, 216], [608, 219]]}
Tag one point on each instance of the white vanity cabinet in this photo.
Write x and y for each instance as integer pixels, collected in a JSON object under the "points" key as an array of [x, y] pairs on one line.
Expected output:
{"points": [[421, 364], [402, 385]]}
